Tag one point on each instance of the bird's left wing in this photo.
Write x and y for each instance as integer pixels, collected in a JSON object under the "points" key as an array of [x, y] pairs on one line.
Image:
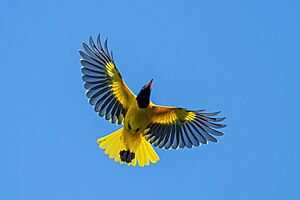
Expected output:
{"points": [[105, 87], [179, 127]]}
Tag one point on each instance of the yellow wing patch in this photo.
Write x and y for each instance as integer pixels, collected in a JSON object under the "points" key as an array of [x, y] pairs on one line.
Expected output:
{"points": [[167, 115], [119, 88]]}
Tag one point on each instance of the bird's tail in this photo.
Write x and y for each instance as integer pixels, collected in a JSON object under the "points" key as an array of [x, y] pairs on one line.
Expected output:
{"points": [[125, 147]]}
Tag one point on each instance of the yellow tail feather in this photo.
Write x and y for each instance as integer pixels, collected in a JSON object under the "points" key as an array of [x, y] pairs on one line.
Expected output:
{"points": [[125, 147]]}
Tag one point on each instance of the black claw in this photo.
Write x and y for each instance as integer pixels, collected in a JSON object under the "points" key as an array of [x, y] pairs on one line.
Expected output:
{"points": [[132, 156], [121, 153]]}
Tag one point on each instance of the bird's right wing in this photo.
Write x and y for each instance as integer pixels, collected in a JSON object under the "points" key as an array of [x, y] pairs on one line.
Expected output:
{"points": [[105, 87], [179, 127]]}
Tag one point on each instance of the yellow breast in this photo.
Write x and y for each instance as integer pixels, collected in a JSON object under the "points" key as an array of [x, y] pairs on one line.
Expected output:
{"points": [[137, 119]]}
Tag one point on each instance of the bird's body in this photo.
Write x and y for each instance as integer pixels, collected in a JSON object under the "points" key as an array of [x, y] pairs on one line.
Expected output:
{"points": [[144, 122], [137, 119]]}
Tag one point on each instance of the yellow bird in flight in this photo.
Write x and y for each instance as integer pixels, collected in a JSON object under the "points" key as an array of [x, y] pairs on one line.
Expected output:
{"points": [[144, 122]]}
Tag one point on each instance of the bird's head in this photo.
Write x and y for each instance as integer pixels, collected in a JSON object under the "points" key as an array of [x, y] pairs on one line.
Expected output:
{"points": [[143, 98]]}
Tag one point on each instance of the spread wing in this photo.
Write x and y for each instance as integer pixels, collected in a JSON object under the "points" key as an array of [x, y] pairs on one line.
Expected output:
{"points": [[105, 87], [179, 127]]}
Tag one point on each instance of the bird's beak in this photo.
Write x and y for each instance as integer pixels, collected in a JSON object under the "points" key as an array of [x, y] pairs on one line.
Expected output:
{"points": [[150, 84]]}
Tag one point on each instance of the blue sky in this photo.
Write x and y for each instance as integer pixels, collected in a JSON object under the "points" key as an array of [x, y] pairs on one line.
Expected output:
{"points": [[240, 57]]}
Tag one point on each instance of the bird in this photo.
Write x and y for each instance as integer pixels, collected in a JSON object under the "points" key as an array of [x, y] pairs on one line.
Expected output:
{"points": [[145, 124]]}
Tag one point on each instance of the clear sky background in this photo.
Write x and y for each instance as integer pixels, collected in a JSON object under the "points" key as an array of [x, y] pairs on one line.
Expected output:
{"points": [[240, 57]]}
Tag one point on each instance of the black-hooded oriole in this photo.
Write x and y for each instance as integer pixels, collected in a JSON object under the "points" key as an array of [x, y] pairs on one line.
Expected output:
{"points": [[144, 122]]}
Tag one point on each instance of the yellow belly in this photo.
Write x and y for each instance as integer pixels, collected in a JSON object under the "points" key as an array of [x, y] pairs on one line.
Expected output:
{"points": [[137, 120]]}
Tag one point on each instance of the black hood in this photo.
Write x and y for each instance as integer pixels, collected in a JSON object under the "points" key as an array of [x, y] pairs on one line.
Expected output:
{"points": [[143, 98]]}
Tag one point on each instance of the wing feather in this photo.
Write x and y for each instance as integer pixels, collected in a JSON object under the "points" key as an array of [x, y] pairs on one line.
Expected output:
{"points": [[105, 87], [179, 127]]}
